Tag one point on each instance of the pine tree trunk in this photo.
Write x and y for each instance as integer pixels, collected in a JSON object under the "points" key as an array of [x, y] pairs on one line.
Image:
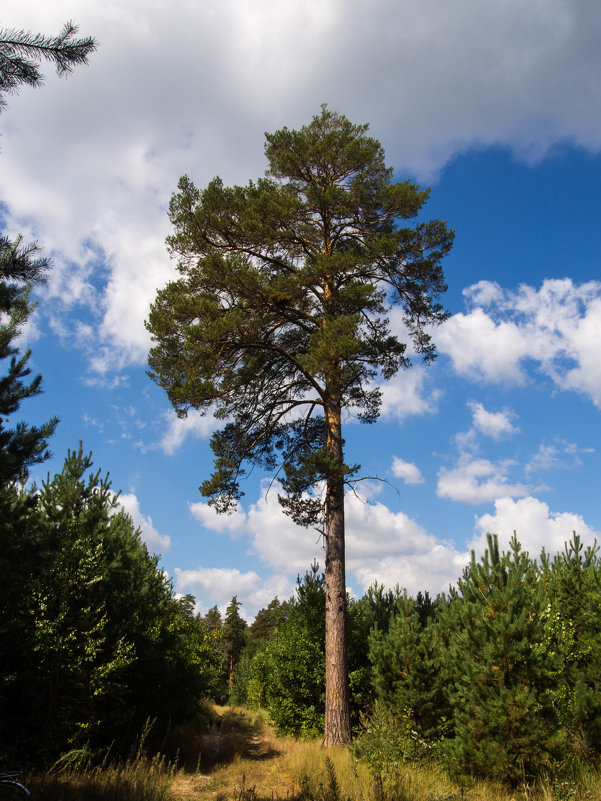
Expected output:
{"points": [[337, 711]]}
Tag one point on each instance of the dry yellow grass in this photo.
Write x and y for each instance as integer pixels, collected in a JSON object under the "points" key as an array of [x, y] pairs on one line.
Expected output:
{"points": [[238, 758], [240, 751], [252, 764]]}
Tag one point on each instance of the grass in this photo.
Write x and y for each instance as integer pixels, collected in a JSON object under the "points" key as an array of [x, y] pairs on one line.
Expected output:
{"points": [[139, 779], [239, 758]]}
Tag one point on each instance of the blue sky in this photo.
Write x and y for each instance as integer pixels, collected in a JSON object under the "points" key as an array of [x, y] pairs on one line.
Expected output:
{"points": [[494, 105]]}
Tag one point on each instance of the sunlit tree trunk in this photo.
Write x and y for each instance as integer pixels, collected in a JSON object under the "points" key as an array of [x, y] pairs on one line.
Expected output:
{"points": [[337, 713]]}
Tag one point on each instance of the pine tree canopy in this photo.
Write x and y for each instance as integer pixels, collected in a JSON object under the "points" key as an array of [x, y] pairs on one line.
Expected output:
{"points": [[281, 308], [21, 445], [21, 51]]}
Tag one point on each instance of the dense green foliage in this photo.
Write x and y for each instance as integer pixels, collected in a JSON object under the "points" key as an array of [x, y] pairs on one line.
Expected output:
{"points": [[94, 642], [282, 666], [572, 631], [409, 649], [21, 445], [500, 679], [499, 667], [234, 629]]}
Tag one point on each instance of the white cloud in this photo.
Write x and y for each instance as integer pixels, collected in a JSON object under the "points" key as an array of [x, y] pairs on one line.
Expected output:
{"points": [[582, 344], [482, 349], [478, 481], [391, 548], [560, 455], [546, 458], [278, 541], [234, 524], [192, 87], [535, 525], [556, 327], [492, 424], [407, 394], [381, 545], [149, 534], [409, 472], [180, 428], [217, 586], [432, 571]]}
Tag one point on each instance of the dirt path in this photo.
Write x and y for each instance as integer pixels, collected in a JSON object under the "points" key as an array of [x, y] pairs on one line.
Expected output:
{"points": [[239, 756]]}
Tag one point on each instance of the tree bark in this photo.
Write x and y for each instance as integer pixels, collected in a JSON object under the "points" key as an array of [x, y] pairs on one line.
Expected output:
{"points": [[337, 710]]}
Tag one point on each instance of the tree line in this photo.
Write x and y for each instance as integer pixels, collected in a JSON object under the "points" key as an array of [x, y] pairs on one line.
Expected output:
{"points": [[499, 678]]}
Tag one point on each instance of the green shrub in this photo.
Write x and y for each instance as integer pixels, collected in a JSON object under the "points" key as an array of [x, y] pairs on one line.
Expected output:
{"points": [[505, 726], [288, 677]]}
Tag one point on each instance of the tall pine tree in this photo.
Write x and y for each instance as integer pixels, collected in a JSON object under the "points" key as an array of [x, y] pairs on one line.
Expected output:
{"points": [[572, 583], [279, 325], [234, 629]]}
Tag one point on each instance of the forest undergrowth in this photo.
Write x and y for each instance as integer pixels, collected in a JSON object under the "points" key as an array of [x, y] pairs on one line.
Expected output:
{"points": [[238, 757]]}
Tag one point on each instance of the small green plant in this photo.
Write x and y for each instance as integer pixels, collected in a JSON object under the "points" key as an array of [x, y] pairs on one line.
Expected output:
{"points": [[328, 790], [245, 793], [387, 740], [391, 787]]}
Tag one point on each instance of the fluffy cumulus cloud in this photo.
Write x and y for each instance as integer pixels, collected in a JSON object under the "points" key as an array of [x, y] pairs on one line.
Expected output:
{"points": [[492, 424], [190, 88], [391, 548], [276, 539], [218, 583], [478, 481], [381, 545], [555, 327], [233, 524], [156, 542], [433, 570], [535, 525], [217, 586], [408, 393], [409, 472]]}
